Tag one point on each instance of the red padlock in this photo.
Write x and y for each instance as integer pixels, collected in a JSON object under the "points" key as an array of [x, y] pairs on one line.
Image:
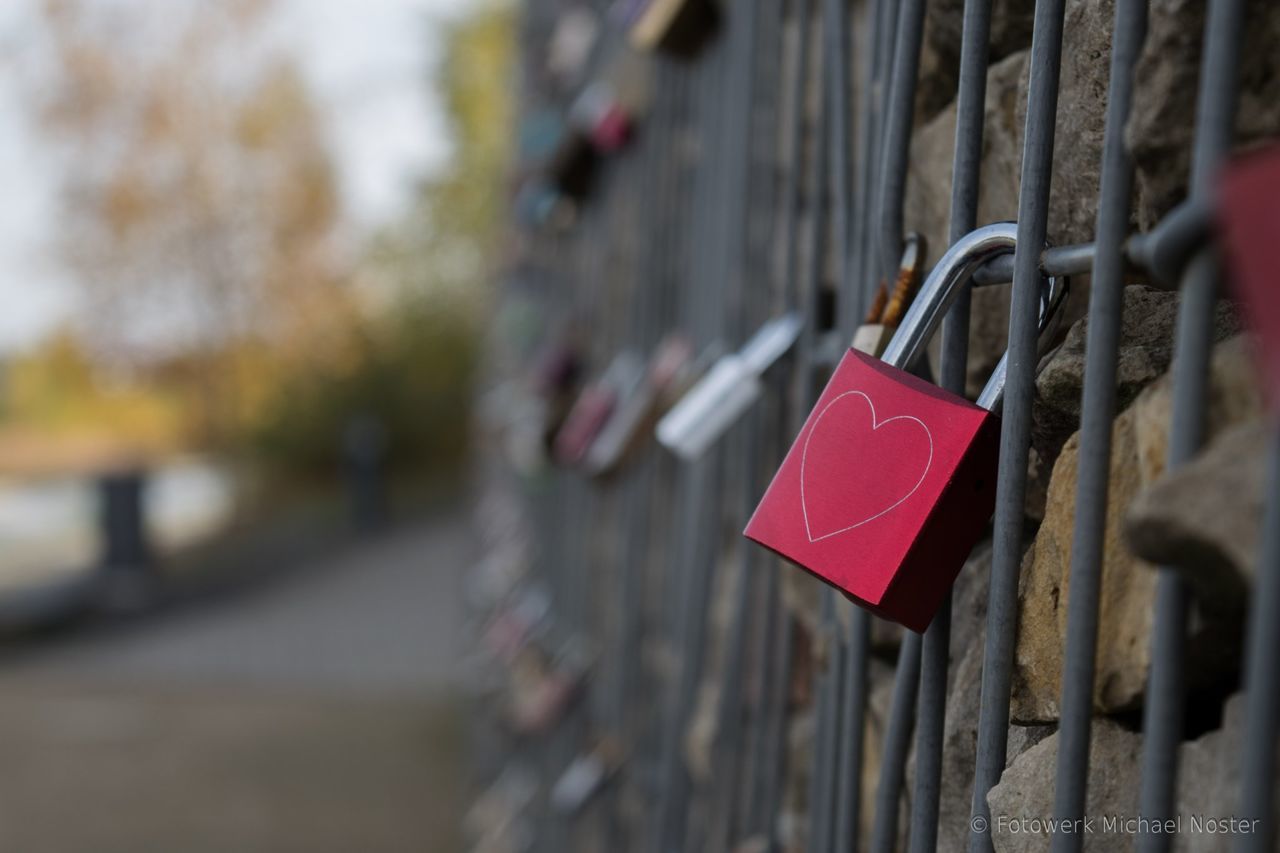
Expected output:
{"points": [[891, 481], [1248, 216]]}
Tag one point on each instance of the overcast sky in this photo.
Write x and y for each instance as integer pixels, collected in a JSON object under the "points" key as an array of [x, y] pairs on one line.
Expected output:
{"points": [[367, 61]]}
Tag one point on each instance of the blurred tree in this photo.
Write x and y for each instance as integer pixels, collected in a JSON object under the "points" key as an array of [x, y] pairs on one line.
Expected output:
{"points": [[198, 199], [201, 217], [429, 272], [446, 247], [63, 415]]}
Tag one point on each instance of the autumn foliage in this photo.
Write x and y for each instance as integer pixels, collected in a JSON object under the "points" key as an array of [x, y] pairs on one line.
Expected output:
{"points": [[227, 303]]}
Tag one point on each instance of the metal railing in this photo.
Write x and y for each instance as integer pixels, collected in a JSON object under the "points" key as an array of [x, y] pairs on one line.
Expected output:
{"points": [[770, 176]]}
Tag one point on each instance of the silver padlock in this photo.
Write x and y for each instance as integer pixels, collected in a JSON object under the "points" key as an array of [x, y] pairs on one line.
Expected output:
{"points": [[728, 390], [635, 414], [940, 291]]}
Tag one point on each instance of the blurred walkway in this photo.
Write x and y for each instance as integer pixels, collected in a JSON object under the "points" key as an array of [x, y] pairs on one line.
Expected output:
{"points": [[318, 713]]}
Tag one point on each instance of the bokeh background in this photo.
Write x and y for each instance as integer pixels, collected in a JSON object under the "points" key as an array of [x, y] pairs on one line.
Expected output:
{"points": [[243, 256]]}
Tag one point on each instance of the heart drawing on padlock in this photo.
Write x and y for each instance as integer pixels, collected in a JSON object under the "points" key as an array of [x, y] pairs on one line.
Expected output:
{"points": [[846, 492], [891, 480]]}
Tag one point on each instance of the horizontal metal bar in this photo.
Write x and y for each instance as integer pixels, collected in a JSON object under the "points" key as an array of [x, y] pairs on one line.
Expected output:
{"points": [[1162, 252]]}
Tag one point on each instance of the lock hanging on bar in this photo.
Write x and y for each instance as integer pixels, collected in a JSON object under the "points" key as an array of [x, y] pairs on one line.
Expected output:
{"points": [[892, 480], [726, 392], [887, 311]]}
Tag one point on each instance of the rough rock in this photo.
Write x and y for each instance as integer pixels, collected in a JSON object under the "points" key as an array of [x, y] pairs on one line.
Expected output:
{"points": [[1203, 519], [1209, 782], [968, 638], [1026, 789], [1076, 164], [1148, 320], [1161, 127], [1209, 776], [1234, 397], [1081, 120], [940, 57], [960, 744], [1139, 446], [929, 196], [969, 601]]}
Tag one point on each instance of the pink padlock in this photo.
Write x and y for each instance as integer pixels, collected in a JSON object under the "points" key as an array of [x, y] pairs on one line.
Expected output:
{"points": [[599, 114]]}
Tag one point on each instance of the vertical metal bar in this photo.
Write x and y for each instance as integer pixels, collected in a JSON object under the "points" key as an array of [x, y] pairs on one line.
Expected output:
{"points": [[900, 111], [971, 95], [642, 547], [828, 693], [1097, 411], [836, 29], [897, 132], [966, 170], [1015, 434], [884, 832], [846, 724], [852, 735], [930, 731], [769, 751], [1262, 679], [880, 58], [853, 296], [695, 556], [776, 735], [771, 637], [728, 754], [747, 818], [729, 760], [1166, 690], [821, 759], [832, 803], [791, 148]]}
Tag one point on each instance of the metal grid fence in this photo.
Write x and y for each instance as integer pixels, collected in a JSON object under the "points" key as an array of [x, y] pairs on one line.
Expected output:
{"points": [[770, 176]]}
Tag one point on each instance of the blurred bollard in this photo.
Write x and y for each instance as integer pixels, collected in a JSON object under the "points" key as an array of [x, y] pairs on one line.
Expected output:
{"points": [[126, 569], [365, 447]]}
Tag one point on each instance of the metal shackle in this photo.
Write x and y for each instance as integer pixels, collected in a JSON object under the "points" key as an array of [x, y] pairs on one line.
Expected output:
{"points": [[940, 290]]}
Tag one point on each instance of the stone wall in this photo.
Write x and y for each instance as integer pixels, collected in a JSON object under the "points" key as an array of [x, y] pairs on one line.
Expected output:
{"points": [[1201, 520], [628, 252]]}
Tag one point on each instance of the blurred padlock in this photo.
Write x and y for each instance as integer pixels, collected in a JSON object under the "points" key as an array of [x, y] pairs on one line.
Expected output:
{"points": [[635, 415], [599, 114], [729, 388], [575, 34], [572, 169], [1248, 214], [585, 776], [676, 27], [892, 480], [594, 406], [887, 310]]}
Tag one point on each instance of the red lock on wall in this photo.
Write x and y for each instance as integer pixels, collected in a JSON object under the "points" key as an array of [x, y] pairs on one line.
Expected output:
{"points": [[891, 481]]}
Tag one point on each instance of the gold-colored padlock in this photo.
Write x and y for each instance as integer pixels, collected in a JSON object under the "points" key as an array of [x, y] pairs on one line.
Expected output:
{"points": [[888, 309]]}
